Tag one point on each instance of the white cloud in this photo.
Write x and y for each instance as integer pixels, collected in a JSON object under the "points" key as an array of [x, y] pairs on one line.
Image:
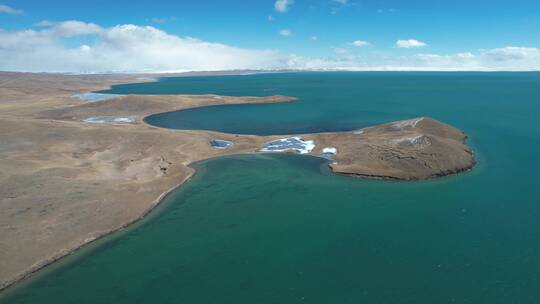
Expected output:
{"points": [[44, 23], [341, 51], [270, 18], [410, 43], [465, 55], [131, 48], [283, 6], [338, 5], [122, 48], [360, 43], [463, 60], [512, 53], [9, 10], [314, 38], [500, 59], [70, 28], [300, 62], [506, 59], [286, 33]]}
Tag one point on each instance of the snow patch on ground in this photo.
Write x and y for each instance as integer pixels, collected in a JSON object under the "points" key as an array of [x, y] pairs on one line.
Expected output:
{"points": [[65, 106], [93, 97], [220, 143], [419, 140], [330, 150], [296, 144], [108, 120], [407, 124]]}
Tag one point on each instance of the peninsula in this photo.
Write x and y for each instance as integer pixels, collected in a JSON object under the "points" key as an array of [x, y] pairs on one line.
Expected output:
{"points": [[73, 170]]}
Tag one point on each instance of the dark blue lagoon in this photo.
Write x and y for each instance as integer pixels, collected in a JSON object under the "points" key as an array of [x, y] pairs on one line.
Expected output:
{"points": [[282, 229]]}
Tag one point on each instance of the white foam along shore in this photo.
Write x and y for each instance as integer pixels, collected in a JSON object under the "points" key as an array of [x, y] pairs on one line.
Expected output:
{"points": [[108, 119], [296, 144], [93, 97]]}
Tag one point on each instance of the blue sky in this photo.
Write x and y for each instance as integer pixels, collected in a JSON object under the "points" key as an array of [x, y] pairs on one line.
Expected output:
{"points": [[442, 28]]}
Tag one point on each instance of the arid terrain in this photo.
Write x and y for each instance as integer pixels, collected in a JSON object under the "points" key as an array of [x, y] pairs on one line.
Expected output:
{"points": [[65, 182]]}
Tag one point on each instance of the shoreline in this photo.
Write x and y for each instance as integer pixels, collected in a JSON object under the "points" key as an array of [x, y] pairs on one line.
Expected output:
{"points": [[393, 179], [146, 105], [45, 264], [157, 202]]}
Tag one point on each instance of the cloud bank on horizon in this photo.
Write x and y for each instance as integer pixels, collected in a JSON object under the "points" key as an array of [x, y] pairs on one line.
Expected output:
{"points": [[55, 47]]}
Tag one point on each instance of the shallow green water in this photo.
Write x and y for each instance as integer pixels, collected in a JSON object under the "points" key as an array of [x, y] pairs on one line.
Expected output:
{"points": [[282, 229]]}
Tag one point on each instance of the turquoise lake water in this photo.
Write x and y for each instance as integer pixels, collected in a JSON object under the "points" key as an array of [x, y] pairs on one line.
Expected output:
{"points": [[283, 229]]}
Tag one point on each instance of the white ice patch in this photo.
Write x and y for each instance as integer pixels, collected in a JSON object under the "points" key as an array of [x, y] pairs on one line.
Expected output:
{"points": [[108, 120], [296, 144], [220, 143], [93, 97], [329, 150], [407, 124]]}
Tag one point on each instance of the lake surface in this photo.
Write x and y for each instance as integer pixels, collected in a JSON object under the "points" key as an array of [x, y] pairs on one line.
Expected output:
{"points": [[283, 229]]}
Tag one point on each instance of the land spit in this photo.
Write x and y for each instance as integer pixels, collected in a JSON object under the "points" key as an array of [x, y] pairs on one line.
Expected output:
{"points": [[72, 171]]}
